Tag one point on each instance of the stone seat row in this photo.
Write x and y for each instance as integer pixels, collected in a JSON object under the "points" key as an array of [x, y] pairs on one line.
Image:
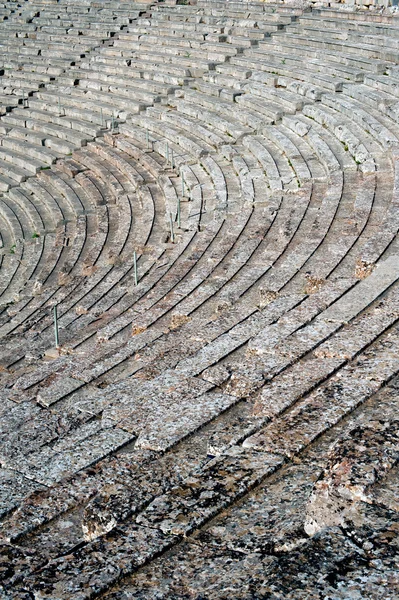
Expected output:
{"points": [[266, 298], [53, 42], [43, 25], [221, 123], [367, 27], [368, 50], [39, 141], [94, 223], [47, 130], [182, 567], [388, 238], [172, 45], [54, 65], [374, 98], [202, 58], [87, 556], [196, 31], [381, 96], [38, 257], [74, 113], [345, 52], [245, 21], [235, 5], [57, 32], [273, 11], [117, 78], [381, 37], [59, 45], [133, 175]]}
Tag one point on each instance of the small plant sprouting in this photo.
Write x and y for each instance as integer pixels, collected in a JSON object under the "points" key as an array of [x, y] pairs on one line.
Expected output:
{"points": [[284, 60], [12, 249], [35, 235]]}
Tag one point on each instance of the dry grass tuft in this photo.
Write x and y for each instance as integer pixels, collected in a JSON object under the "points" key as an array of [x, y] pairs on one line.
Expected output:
{"points": [[313, 284], [363, 269], [178, 320]]}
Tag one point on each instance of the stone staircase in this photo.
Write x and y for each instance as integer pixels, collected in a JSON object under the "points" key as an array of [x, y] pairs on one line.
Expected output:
{"points": [[208, 193]]}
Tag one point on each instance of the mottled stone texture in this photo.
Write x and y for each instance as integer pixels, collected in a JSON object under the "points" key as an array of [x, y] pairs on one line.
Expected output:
{"points": [[206, 196]]}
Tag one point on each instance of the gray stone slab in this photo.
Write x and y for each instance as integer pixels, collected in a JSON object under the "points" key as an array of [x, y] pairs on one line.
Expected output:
{"points": [[66, 385], [320, 410], [50, 466], [14, 487], [205, 494]]}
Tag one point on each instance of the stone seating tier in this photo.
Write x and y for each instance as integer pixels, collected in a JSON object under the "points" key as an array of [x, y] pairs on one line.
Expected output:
{"points": [[208, 193]]}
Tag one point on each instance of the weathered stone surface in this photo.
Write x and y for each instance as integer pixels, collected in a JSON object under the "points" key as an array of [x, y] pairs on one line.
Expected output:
{"points": [[82, 572], [15, 487], [321, 409], [208, 193], [356, 464]]}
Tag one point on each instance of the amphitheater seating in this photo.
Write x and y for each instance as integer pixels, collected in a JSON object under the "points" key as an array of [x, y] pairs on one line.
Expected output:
{"points": [[208, 195]]}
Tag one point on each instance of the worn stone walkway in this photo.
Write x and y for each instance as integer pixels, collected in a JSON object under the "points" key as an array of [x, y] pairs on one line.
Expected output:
{"points": [[208, 194]]}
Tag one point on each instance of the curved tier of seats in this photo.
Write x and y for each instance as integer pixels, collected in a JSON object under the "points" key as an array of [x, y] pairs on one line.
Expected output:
{"points": [[208, 194]]}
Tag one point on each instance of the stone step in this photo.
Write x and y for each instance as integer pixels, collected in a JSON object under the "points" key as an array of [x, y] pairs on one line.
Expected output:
{"points": [[244, 529], [170, 135], [326, 359], [61, 123], [365, 118], [53, 465], [331, 23], [24, 201], [245, 469], [378, 100], [93, 100], [285, 437], [263, 63], [367, 50], [20, 162], [12, 172], [39, 153], [226, 129], [342, 132], [275, 295]]}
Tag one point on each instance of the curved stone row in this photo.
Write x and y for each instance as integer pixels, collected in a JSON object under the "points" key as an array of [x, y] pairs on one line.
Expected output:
{"points": [[217, 223], [42, 118]]}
